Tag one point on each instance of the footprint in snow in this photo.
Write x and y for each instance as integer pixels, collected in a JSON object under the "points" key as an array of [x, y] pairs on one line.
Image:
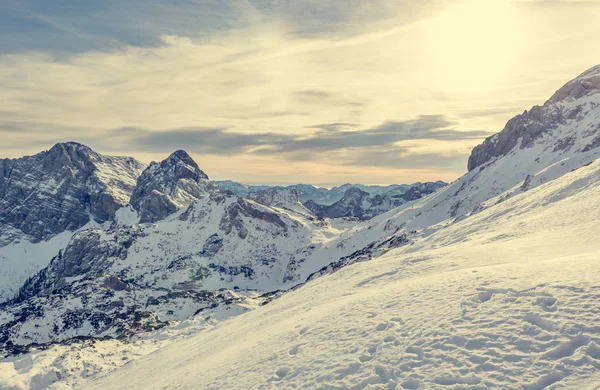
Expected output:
{"points": [[538, 321], [410, 384], [303, 330], [417, 351], [282, 372]]}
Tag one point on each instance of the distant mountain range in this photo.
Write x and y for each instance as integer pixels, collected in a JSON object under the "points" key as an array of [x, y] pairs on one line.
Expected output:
{"points": [[364, 205], [320, 195]]}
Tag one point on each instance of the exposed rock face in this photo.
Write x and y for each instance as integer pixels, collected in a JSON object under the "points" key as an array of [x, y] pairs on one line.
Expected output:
{"points": [[165, 187], [63, 188], [316, 208], [361, 204], [586, 84], [567, 104], [89, 254], [234, 213]]}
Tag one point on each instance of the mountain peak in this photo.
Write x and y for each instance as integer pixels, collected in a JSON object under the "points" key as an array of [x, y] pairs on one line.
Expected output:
{"points": [[182, 156], [570, 103], [188, 168], [355, 192], [70, 145], [164, 187], [68, 185], [587, 83], [66, 153]]}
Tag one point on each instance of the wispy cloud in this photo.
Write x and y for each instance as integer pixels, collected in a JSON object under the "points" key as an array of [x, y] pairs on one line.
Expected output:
{"points": [[310, 86]]}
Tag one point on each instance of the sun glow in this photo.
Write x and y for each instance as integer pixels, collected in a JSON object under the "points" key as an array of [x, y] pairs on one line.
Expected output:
{"points": [[475, 44]]}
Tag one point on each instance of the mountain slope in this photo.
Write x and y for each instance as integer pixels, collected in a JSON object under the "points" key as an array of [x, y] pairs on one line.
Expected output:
{"points": [[504, 299], [550, 140]]}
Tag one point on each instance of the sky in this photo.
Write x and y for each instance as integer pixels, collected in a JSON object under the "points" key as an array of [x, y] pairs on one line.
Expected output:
{"points": [[285, 91]]}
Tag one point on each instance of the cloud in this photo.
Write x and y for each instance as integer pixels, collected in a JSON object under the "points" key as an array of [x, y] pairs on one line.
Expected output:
{"points": [[384, 145], [333, 126], [432, 127], [401, 157], [198, 140], [307, 85]]}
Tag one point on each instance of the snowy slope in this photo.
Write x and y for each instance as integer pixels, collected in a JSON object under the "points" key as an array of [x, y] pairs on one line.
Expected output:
{"points": [[534, 148], [504, 299]]}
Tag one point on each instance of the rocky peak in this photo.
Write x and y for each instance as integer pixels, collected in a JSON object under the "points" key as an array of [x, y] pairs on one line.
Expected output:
{"points": [[169, 185], [585, 84], [570, 103], [355, 193], [179, 165], [63, 189]]}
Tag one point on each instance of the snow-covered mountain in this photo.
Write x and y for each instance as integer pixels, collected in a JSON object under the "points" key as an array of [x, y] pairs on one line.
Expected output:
{"points": [[324, 196], [165, 187], [535, 147], [490, 282], [193, 246], [361, 204], [46, 197], [62, 189]]}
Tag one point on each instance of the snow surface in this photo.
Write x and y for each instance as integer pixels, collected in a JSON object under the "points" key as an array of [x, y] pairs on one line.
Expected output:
{"points": [[505, 299], [66, 366]]}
